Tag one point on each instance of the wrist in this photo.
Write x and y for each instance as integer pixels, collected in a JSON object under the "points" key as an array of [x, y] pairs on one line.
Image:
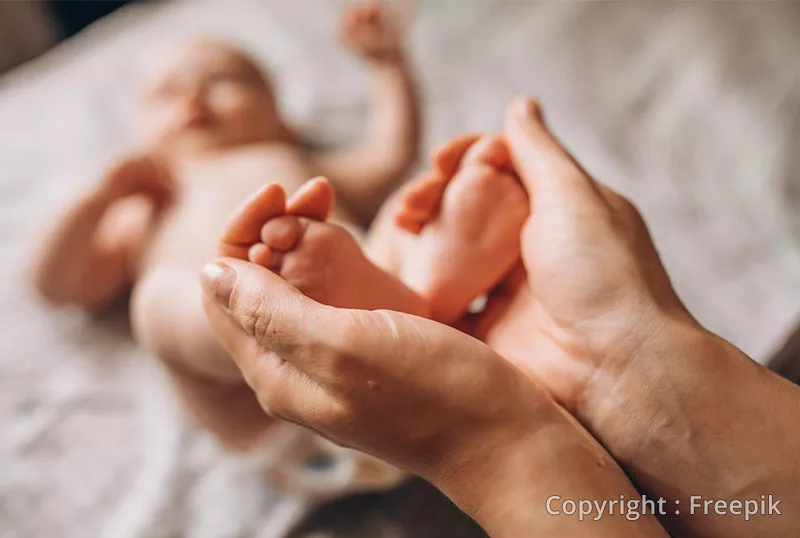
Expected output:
{"points": [[391, 61], [692, 407], [489, 485], [513, 487], [467, 464], [627, 394]]}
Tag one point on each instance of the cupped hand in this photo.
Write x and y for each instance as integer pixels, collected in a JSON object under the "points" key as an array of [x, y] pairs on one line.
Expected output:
{"points": [[591, 288], [418, 394]]}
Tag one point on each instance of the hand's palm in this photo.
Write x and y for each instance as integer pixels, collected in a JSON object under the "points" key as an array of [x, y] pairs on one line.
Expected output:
{"points": [[586, 270]]}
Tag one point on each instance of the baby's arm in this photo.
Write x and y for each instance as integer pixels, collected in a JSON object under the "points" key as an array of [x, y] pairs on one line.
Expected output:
{"points": [[89, 256], [364, 175]]}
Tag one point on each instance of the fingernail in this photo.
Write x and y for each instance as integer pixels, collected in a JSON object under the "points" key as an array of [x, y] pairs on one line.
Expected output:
{"points": [[219, 279]]}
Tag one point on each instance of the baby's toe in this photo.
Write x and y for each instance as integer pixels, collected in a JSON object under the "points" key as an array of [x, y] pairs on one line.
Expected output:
{"points": [[260, 254], [447, 157], [282, 234], [419, 201], [489, 150]]}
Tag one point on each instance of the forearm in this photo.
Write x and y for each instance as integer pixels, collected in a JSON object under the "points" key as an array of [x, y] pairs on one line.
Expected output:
{"points": [[526, 487], [63, 266], [692, 407], [394, 126], [365, 175]]}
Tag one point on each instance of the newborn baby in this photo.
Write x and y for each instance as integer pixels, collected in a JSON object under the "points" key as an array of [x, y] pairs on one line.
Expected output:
{"points": [[213, 135], [448, 237]]}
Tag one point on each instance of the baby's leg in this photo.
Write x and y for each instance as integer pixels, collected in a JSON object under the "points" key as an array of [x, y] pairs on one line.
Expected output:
{"points": [[169, 321], [452, 234], [319, 258], [326, 263]]}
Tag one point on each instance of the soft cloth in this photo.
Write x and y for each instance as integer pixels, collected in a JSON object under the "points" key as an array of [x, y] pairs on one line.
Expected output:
{"points": [[690, 109]]}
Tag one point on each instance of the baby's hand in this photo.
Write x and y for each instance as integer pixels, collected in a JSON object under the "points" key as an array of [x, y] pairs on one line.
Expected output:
{"points": [[138, 174], [372, 32]]}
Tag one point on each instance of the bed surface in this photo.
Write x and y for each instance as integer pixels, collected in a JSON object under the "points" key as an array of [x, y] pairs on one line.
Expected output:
{"points": [[689, 109]]}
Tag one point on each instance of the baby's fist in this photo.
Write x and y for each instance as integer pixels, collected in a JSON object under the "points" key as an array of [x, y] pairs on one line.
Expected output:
{"points": [[138, 175], [371, 32]]}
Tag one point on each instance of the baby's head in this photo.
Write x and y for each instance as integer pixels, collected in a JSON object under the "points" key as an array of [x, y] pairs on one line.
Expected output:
{"points": [[208, 96]]}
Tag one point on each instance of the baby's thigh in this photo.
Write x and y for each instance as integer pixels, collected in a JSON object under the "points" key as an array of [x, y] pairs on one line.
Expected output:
{"points": [[169, 321]]}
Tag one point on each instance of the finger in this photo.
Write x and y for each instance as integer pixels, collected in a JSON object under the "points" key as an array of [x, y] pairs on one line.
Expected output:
{"points": [[347, 26], [244, 227], [153, 175], [372, 12], [276, 316], [340, 349], [282, 390], [285, 392], [260, 254], [447, 157], [544, 166]]}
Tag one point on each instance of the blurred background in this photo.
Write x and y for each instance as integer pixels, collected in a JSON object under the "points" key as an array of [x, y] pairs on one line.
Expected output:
{"points": [[690, 109], [29, 28]]}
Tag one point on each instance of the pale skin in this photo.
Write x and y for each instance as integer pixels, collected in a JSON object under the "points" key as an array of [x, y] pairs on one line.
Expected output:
{"points": [[212, 136], [590, 316]]}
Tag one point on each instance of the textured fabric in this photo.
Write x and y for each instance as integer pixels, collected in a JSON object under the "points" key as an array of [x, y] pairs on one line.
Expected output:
{"points": [[691, 109]]}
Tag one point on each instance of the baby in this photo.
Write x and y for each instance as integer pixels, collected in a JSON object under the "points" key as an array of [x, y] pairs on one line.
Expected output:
{"points": [[214, 136], [448, 237]]}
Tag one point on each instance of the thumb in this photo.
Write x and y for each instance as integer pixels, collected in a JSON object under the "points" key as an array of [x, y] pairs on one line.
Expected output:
{"points": [[546, 169], [255, 312], [251, 309]]}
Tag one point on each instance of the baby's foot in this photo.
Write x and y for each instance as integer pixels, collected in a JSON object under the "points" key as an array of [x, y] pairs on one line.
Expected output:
{"points": [[467, 215], [321, 259]]}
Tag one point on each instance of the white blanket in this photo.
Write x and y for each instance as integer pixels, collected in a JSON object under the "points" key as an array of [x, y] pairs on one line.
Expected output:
{"points": [[690, 109]]}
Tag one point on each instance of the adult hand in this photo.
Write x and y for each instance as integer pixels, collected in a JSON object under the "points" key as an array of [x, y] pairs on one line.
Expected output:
{"points": [[592, 315], [592, 285], [378, 381], [420, 395]]}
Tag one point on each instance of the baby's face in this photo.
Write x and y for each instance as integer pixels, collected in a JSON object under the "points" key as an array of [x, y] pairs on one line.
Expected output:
{"points": [[208, 96]]}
